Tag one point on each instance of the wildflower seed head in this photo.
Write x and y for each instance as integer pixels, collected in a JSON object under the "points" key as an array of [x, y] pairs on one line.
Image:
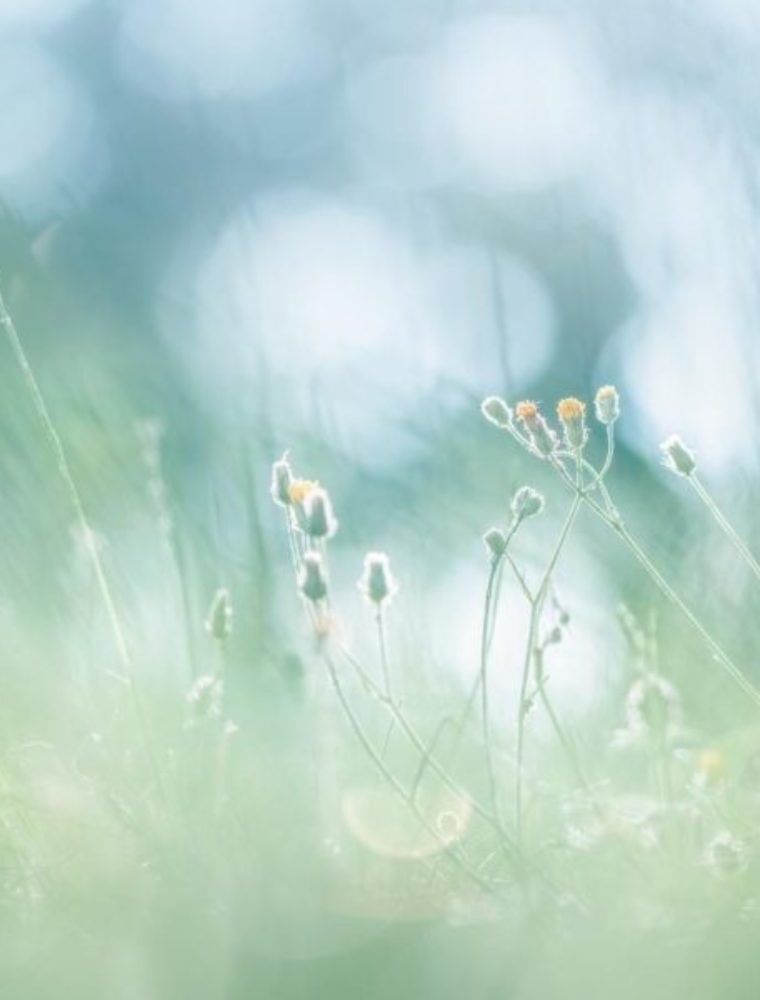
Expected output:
{"points": [[377, 583], [282, 481], [607, 404], [204, 699], [313, 580], [542, 437], [526, 411], [572, 415], [726, 854], [677, 457], [219, 619], [496, 411], [319, 521], [653, 706], [299, 489], [526, 503], [495, 542]]}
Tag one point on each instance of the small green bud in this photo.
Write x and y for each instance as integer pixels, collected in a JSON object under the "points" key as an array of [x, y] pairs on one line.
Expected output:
{"points": [[495, 542]]}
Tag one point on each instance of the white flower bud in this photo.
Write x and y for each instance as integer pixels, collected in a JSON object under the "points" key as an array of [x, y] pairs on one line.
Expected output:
{"points": [[319, 521], [282, 479], [377, 582], [607, 404], [313, 581], [496, 411], [526, 503], [678, 458]]}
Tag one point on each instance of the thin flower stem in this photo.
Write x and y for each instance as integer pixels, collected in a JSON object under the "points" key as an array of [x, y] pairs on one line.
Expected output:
{"points": [[416, 740], [395, 784], [562, 736], [614, 521], [530, 646], [483, 679], [383, 648], [725, 525]]}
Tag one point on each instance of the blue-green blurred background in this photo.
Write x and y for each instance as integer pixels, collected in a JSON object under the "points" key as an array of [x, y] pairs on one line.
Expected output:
{"points": [[232, 228], [334, 226]]}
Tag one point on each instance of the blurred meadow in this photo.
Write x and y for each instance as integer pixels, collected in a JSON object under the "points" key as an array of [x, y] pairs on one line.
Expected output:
{"points": [[326, 228]]}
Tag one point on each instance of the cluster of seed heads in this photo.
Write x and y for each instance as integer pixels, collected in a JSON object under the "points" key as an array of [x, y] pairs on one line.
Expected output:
{"points": [[531, 428], [311, 518]]}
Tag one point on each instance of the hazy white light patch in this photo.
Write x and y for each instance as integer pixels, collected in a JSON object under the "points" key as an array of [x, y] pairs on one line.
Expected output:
{"points": [[230, 49], [495, 321], [522, 100], [739, 18], [14, 13], [687, 372], [678, 200], [49, 144], [396, 124], [329, 294]]}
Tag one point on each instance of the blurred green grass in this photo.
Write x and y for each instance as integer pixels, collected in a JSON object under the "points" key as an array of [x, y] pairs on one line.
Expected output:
{"points": [[114, 883]]}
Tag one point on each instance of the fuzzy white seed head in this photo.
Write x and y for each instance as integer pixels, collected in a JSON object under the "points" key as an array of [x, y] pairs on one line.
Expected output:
{"points": [[495, 542], [607, 404], [542, 437], [319, 520], [377, 583], [526, 503], [282, 479], [677, 457], [312, 581], [572, 416], [496, 411]]}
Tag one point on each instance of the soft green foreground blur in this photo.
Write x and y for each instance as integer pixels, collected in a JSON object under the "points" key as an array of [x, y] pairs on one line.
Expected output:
{"points": [[333, 228]]}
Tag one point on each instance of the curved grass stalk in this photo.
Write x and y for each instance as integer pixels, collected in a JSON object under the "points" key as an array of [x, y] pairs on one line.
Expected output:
{"points": [[64, 469]]}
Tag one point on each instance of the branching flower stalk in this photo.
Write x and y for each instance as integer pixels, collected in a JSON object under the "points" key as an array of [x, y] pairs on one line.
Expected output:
{"points": [[681, 461], [378, 587], [536, 608], [607, 411]]}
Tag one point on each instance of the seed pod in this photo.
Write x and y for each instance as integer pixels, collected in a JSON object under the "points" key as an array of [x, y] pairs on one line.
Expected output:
{"points": [[542, 437], [607, 404], [319, 521], [377, 582], [572, 415], [677, 457], [313, 581], [282, 480], [495, 542], [526, 503], [496, 411], [219, 620]]}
